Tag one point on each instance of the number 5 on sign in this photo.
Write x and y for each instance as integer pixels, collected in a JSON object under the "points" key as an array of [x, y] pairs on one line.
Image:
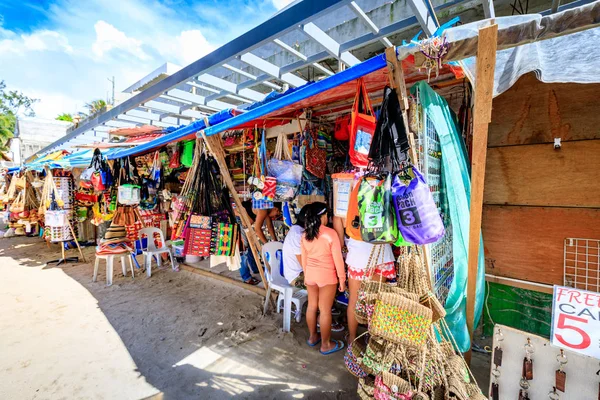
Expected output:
{"points": [[576, 320]]}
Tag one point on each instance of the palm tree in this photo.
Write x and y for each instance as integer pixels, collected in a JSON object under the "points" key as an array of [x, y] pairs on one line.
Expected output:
{"points": [[65, 117], [95, 106]]}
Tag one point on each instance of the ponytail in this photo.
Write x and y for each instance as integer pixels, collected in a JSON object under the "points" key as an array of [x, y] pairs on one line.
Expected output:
{"points": [[312, 220]]}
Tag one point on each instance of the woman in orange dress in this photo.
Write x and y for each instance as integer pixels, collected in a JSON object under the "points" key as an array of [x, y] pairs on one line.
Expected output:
{"points": [[323, 267]]}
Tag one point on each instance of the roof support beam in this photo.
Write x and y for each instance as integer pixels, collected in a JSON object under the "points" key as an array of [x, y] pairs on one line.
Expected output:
{"points": [[129, 118], [230, 87], [332, 47], [426, 20], [365, 18], [282, 23], [272, 70], [489, 12]]}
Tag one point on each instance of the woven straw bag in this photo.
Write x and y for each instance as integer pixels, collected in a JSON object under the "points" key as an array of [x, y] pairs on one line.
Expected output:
{"points": [[354, 353], [373, 361], [391, 387], [366, 388], [474, 392], [368, 290], [430, 300], [400, 320]]}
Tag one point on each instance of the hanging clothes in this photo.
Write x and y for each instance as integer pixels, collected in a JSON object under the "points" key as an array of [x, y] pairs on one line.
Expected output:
{"points": [[457, 183]]}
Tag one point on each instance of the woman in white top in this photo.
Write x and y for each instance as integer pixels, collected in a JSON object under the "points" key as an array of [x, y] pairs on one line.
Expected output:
{"points": [[292, 255], [357, 260]]}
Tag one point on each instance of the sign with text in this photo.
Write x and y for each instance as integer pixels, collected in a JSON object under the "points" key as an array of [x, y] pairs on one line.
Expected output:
{"points": [[576, 320]]}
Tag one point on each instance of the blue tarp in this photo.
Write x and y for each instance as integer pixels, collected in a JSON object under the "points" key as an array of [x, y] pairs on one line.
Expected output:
{"points": [[225, 120], [174, 136]]}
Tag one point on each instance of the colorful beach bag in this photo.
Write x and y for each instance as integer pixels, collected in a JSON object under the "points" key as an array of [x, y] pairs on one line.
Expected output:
{"points": [[353, 215], [400, 320], [198, 236], [418, 217], [362, 126], [377, 219]]}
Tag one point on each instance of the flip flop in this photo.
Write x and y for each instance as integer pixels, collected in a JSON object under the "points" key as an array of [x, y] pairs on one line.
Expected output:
{"points": [[313, 344], [339, 345], [252, 281]]}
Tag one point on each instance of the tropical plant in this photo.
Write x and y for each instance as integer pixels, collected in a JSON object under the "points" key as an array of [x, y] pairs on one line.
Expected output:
{"points": [[12, 103], [65, 117], [7, 126], [95, 106]]}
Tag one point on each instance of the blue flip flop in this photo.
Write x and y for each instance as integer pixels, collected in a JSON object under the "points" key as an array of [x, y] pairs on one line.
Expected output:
{"points": [[313, 344], [339, 345]]}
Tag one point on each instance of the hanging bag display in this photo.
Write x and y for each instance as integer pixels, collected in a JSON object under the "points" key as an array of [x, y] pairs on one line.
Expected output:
{"points": [[315, 160], [400, 320], [377, 219], [287, 173], [342, 127], [362, 126], [343, 183], [18, 205], [353, 215], [418, 217], [390, 138]]}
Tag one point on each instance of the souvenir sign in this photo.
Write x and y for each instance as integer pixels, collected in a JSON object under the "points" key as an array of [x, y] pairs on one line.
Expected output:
{"points": [[576, 320]]}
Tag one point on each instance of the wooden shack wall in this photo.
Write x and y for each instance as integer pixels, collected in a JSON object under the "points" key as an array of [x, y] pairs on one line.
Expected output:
{"points": [[536, 196]]}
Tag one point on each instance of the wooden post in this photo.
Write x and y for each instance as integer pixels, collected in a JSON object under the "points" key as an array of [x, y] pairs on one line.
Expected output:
{"points": [[396, 77], [214, 144], [484, 90]]}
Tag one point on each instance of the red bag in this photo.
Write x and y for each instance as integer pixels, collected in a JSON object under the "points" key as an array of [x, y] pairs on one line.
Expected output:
{"points": [[86, 197], [174, 162], [362, 126], [342, 127], [268, 190], [316, 158], [97, 182]]}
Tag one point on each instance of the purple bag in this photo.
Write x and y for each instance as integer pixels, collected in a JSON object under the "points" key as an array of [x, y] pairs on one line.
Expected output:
{"points": [[417, 215]]}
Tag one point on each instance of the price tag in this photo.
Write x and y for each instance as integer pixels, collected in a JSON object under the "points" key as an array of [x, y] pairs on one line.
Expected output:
{"points": [[576, 320]]}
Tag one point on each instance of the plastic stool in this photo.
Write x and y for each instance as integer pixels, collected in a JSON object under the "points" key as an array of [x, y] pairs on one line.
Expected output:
{"points": [[109, 266]]}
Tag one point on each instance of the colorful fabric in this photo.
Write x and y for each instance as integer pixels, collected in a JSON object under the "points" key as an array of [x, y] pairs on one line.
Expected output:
{"points": [[387, 270], [400, 323], [270, 186], [200, 222], [223, 239], [262, 204], [198, 241], [114, 248]]}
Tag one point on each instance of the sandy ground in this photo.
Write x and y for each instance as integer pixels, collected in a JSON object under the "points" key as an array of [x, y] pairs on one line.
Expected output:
{"points": [[175, 335]]}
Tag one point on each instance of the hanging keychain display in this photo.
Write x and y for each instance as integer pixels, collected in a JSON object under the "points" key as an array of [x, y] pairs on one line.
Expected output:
{"points": [[553, 395], [497, 360], [560, 375], [528, 361]]}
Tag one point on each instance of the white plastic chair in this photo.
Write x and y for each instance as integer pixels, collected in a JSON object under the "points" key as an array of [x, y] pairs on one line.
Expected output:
{"points": [[287, 293], [109, 258], [151, 250]]}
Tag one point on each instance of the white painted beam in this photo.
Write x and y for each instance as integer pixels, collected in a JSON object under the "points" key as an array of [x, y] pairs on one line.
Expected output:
{"points": [[369, 22], [290, 49], [156, 105], [332, 47], [489, 12], [230, 87], [426, 20], [272, 69]]}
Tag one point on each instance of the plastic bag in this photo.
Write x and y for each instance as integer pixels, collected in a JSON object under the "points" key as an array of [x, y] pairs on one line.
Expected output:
{"points": [[418, 217], [377, 218], [281, 165]]}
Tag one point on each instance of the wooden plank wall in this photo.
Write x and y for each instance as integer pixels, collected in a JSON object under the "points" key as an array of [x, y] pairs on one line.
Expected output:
{"points": [[536, 196]]}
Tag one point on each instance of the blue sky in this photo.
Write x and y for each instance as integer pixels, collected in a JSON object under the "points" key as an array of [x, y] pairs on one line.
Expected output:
{"points": [[63, 51]]}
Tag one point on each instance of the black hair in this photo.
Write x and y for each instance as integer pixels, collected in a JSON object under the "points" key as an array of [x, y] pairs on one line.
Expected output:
{"points": [[278, 205], [312, 220], [301, 217]]}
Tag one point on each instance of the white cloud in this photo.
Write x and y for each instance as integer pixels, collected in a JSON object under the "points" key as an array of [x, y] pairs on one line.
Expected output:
{"points": [[186, 48], [108, 38], [279, 4], [43, 40]]}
